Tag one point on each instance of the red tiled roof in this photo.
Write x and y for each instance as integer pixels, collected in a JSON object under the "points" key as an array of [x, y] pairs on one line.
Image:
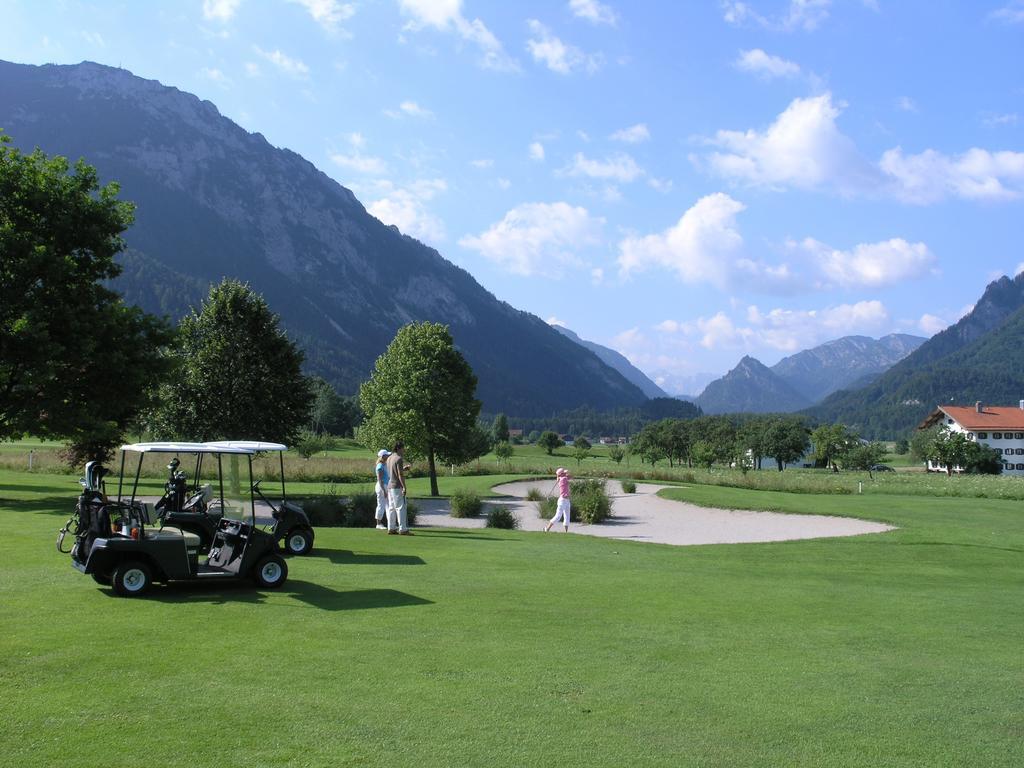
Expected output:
{"points": [[991, 417]]}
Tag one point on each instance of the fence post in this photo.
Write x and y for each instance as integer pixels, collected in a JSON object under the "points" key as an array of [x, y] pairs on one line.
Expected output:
{"points": [[31, 459]]}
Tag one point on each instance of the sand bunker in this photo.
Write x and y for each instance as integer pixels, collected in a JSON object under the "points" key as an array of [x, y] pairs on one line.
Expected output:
{"points": [[644, 516]]}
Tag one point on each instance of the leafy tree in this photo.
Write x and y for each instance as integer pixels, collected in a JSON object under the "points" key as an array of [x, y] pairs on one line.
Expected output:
{"points": [[422, 393], [951, 449], [332, 413], [499, 430], [902, 447], [309, 443], [616, 453], [503, 451], [549, 441], [238, 374], [533, 437], [582, 442], [982, 460], [649, 445], [830, 442], [581, 450], [863, 456], [75, 362], [923, 441], [784, 439], [704, 454]]}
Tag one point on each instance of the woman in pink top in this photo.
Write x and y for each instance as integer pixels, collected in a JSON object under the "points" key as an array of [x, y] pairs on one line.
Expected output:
{"points": [[562, 511]]}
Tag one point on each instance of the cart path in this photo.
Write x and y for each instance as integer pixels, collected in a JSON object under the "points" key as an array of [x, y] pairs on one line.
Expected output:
{"points": [[645, 516]]}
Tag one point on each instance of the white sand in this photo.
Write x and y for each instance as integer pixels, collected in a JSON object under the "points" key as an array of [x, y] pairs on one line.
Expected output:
{"points": [[644, 516]]}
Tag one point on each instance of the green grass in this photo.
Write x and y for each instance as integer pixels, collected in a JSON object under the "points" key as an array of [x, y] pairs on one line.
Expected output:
{"points": [[503, 648]]}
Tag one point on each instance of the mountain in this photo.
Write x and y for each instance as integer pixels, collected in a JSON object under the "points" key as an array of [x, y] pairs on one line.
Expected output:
{"points": [[617, 361], [838, 364], [684, 385], [750, 387], [981, 357], [214, 200]]}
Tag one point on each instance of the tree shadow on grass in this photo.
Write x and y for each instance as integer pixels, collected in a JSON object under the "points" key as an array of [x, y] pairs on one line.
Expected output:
{"points": [[59, 506], [347, 557], [957, 544], [454, 535], [314, 595]]}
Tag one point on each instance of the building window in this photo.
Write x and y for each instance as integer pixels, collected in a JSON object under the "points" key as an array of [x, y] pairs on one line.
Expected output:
{"points": [[997, 435], [949, 421], [1020, 466], [983, 435], [1018, 435]]}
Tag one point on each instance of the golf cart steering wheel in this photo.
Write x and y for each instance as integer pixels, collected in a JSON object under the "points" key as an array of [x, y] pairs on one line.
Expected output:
{"points": [[192, 501]]}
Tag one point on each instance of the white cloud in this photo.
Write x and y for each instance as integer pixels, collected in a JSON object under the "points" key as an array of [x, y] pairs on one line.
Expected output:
{"points": [[329, 14], [597, 275], [214, 75], [482, 163], [620, 167], [539, 238], [556, 55], [357, 140], [555, 321], [700, 247], [803, 148], [286, 64], [405, 207], [931, 324], [220, 10], [94, 38], [593, 11], [906, 104], [660, 185], [411, 109], [765, 65], [800, 14], [977, 174], [536, 151], [503, 183], [1011, 118], [1011, 13], [446, 16], [635, 134], [870, 264], [360, 163], [252, 69]]}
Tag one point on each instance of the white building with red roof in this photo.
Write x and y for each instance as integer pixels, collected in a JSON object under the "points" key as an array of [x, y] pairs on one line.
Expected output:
{"points": [[999, 427]]}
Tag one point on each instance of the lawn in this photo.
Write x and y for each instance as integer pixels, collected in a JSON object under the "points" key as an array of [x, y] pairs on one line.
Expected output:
{"points": [[496, 648]]}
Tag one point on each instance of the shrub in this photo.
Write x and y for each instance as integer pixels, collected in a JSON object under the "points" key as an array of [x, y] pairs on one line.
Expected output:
{"points": [[466, 504], [361, 510], [411, 509], [628, 486], [502, 517], [590, 499], [546, 507], [325, 511], [535, 494]]}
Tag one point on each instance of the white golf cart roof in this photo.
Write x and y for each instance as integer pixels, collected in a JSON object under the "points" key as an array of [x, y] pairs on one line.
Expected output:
{"points": [[187, 448], [249, 445]]}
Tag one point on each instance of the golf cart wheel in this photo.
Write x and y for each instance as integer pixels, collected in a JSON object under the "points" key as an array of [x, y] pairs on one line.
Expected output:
{"points": [[298, 542], [271, 572], [102, 578], [131, 578]]}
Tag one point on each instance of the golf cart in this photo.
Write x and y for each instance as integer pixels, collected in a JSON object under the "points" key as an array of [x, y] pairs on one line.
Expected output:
{"points": [[291, 524], [126, 543]]}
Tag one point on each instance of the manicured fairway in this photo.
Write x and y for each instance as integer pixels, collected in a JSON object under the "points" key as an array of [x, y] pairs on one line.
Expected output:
{"points": [[487, 648]]}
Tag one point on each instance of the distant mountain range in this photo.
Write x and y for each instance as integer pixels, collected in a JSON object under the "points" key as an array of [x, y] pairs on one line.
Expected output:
{"points": [[798, 381], [617, 361], [981, 357], [750, 387], [215, 200]]}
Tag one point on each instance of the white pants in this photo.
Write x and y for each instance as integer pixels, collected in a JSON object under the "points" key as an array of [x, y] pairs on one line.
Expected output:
{"points": [[382, 503], [562, 512], [396, 509]]}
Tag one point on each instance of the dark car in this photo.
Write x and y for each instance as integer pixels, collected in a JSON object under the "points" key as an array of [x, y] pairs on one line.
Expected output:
{"points": [[881, 468]]}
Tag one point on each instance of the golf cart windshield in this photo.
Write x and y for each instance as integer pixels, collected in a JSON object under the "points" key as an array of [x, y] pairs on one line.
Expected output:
{"points": [[260, 446], [223, 474]]}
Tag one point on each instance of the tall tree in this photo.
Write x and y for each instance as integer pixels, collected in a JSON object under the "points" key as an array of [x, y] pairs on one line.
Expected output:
{"points": [[75, 361], [422, 392], [830, 442], [239, 376], [785, 439], [332, 413], [499, 430], [549, 441]]}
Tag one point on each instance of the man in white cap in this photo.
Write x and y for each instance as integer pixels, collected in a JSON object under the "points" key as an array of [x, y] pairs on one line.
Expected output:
{"points": [[564, 508], [382, 488]]}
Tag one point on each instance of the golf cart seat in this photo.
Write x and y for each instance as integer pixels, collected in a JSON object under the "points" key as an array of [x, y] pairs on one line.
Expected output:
{"points": [[170, 532]]}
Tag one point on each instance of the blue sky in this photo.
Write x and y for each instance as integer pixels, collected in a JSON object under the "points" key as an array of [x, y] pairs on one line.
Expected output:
{"points": [[687, 182]]}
